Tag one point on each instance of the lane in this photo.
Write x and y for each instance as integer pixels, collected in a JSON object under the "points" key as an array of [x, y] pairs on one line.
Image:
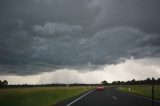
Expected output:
{"points": [[97, 98], [108, 97], [79, 98]]}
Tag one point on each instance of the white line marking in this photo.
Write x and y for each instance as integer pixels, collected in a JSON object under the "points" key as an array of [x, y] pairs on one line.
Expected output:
{"points": [[114, 97], [145, 98], [79, 98]]}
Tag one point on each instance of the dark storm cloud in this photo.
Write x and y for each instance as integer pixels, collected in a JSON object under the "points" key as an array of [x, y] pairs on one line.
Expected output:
{"points": [[132, 13], [43, 35]]}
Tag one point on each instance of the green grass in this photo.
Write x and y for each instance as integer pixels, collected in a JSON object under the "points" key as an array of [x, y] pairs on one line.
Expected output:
{"points": [[38, 96], [143, 90]]}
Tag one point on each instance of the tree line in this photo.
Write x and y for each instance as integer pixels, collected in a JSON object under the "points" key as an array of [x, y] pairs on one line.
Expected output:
{"points": [[147, 81], [3, 83]]}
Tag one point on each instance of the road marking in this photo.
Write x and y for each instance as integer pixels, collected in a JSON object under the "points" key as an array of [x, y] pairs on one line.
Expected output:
{"points": [[114, 97], [80, 98]]}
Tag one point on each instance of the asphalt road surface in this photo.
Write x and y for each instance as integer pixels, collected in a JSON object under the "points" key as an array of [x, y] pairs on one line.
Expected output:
{"points": [[108, 97]]}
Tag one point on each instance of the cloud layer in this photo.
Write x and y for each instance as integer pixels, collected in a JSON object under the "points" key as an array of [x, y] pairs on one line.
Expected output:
{"points": [[38, 36]]}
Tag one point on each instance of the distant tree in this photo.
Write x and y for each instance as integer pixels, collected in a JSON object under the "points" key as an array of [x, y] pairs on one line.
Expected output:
{"points": [[5, 83], [1, 83], [133, 82], [104, 82], [158, 81], [148, 81]]}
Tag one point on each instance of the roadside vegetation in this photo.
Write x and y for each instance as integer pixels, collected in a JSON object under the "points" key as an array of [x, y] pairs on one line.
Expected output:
{"points": [[143, 90], [139, 87], [38, 96]]}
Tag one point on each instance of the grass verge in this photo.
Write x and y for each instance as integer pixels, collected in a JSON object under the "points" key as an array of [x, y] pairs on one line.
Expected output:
{"points": [[38, 96], [143, 90]]}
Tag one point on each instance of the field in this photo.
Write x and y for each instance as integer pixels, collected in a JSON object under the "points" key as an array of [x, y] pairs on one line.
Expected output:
{"points": [[38, 96], [143, 90]]}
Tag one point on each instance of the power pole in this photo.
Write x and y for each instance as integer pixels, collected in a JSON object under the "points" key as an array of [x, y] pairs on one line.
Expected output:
{"points": [[153, 91]]}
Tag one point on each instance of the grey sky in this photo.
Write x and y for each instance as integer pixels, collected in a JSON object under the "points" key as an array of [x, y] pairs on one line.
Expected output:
{"points": [[44, 35]]}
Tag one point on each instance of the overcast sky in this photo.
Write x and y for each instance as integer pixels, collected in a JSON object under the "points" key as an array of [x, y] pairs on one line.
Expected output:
{"points": [[67, 41]]}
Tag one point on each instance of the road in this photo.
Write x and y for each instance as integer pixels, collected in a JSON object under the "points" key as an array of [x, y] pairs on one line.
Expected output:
{"points": [[108, 97]]}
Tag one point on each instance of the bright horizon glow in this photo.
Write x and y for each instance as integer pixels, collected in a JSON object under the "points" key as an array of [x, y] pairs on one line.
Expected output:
{"points": [[138, 69]]}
